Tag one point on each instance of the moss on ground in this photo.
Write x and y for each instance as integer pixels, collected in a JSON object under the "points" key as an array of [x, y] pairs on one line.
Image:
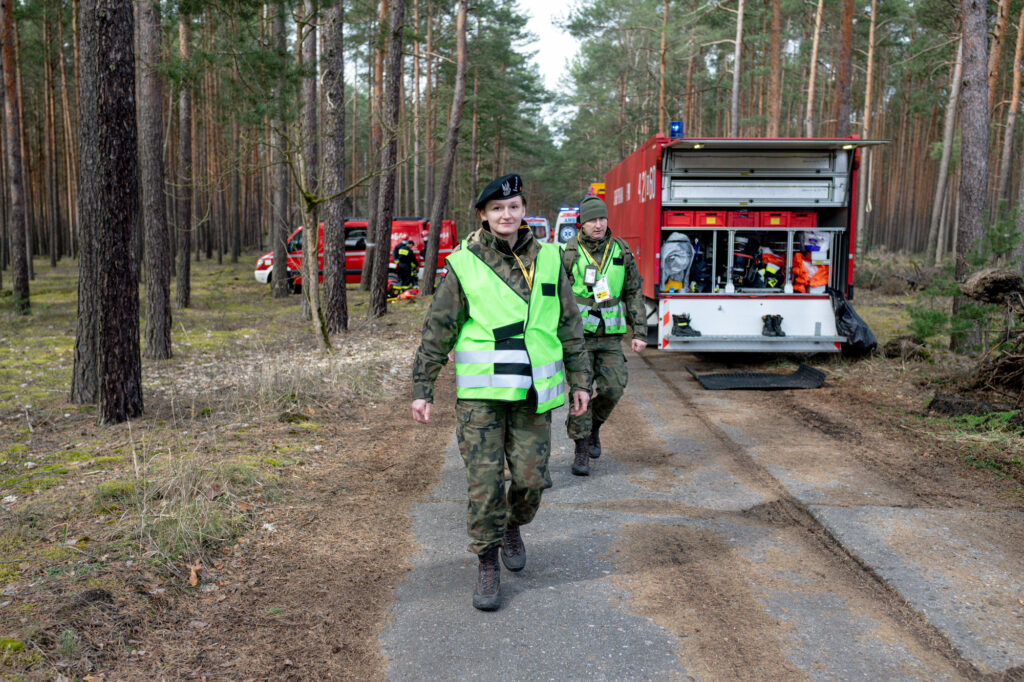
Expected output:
{"points": [[202, 462]]}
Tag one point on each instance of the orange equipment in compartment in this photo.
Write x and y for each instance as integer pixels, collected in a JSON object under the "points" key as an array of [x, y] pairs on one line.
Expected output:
{"points": [[807, 276]]}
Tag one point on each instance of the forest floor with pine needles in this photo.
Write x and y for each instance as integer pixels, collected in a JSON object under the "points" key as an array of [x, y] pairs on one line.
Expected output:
{"points": [[253, 522]]}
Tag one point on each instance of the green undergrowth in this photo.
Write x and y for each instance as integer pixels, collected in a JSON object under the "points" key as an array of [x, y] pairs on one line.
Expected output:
{"points": [[1003, 468], [53, 456], [993, 442], [231, 422]]}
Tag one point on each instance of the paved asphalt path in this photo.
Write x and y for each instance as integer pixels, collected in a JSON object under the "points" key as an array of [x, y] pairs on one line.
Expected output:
{"points": [[855, 582]]}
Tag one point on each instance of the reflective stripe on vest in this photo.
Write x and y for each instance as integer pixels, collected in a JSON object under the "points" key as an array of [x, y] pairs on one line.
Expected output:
{"points": [[612, 311], [508, 345]]}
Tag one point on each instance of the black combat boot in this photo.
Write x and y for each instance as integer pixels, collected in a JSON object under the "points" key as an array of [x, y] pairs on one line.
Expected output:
{"points": [[769, 325], [777, 325], [487, 596], [581, 463], [595, 439], [681, 326], [513, 551]]}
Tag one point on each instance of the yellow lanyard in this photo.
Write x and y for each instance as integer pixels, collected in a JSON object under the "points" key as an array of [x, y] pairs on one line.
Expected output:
{"points": [[527, 275], [600, 268]]}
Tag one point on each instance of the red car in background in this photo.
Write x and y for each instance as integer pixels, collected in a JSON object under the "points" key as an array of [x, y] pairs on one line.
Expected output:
{"points": [[414, 230]]}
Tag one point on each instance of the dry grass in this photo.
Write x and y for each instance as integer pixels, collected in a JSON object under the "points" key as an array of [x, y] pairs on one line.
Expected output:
{"points": [[99, 524]]}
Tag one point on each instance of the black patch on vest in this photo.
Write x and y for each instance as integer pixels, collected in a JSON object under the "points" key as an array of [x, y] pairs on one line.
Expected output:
{"points": [[512, 368], [515, 343], [618, 260], [548, 289], [509, 330]]}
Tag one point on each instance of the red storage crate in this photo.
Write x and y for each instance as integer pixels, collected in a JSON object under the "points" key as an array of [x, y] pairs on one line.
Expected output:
{"points": [[803, 219], [677, 218], [773, 219], [711, 218], [742, 219]]}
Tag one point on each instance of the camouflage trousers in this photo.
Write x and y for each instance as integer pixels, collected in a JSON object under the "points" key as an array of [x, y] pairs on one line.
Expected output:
{"points": [[490, 433], [608, 366]]}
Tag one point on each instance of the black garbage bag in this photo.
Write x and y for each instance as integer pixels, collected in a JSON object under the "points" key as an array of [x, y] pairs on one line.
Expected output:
{"points": [[859, 338]]}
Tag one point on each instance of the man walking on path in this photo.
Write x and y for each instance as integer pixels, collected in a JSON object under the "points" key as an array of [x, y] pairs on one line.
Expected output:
{"points": [[607, 287], [507, 308]]}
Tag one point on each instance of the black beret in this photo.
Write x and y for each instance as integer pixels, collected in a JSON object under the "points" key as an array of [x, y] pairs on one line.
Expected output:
{"points": [[505, 187]]}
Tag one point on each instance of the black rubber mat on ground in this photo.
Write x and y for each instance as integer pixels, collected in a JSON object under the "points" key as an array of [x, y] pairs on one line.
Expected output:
{"points": [[803, 377]]}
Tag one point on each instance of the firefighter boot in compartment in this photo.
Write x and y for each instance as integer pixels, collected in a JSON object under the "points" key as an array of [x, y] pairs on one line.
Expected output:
{"points": [[681, 326]]}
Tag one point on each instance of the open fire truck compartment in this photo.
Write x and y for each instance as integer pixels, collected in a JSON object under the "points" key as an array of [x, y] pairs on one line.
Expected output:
{"points": [[738, 220]]}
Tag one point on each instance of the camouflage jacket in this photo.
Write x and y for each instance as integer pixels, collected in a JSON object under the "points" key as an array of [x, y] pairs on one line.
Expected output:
{"points": [[632, 289], [449, 311]]}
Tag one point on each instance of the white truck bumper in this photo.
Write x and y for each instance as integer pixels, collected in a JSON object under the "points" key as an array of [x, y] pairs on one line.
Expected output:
{"points": [[734, 324]]}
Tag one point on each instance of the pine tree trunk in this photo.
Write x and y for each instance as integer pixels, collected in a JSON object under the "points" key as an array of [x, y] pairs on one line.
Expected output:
{"points": [[454, 121], [332, 76], [734, 109], [236, 193], [389, 125], [71, 147], [15, 171], [812, 77], [974, 120], [186, 184], [1011, 115], [374, 226], [311, 177], [948, 130], [4, 208], [1019, 252], [85, 387], [662, 69], [474, 146], [53, 226], [280, 278], [863, 190], [775, 71], [117, 175], [29, 192], [154, 211], [996, 51], [844, 80], [417, 162], [428, 116]]}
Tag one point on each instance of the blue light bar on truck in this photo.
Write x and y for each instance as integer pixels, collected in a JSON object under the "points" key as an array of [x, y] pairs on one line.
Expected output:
{"points": [[675, 130]]}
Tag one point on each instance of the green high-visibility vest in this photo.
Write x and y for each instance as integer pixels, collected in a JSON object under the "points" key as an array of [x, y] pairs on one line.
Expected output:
{"points": [[508, 345], [612, 310]]}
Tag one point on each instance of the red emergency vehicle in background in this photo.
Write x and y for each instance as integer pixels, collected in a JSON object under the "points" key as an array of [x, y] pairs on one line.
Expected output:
{"points": [[414, 230], [728, 232]]}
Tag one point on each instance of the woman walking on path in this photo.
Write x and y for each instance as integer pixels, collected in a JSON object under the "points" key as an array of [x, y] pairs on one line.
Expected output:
{"points": [[507, 308]]}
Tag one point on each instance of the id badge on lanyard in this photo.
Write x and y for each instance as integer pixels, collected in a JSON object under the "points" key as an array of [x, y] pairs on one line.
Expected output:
{"points": [[590, 275], [601, 290]]}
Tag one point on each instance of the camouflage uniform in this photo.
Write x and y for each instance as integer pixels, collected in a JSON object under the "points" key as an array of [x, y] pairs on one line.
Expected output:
{"points": [[491, 432], [604, 350]]}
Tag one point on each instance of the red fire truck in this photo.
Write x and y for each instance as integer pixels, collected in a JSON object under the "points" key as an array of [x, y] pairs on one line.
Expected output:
{"points": [[413, 230], [737, 239]]}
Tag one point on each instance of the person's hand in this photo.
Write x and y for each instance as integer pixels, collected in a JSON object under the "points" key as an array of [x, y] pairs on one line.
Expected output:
{"points": [[638, 345], [421, 410], [580, 401]]}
